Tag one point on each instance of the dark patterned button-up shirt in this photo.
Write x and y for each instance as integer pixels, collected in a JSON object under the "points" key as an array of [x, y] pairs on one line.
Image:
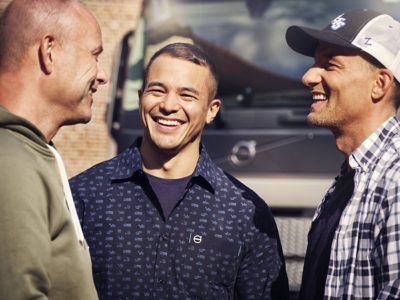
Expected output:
{"points": [[365, 255], [220, 241]]}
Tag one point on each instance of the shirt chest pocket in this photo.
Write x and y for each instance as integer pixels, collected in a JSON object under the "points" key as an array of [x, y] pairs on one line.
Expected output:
{"points": [[207, 265]]}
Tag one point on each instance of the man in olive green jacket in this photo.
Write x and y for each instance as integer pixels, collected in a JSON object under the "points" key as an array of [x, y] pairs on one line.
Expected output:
{"points": [[49, 71]]}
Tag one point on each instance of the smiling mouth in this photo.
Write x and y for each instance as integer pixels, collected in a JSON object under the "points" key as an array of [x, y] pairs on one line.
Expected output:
{"points": [[319, 101], [319, 97], [169, 123]]}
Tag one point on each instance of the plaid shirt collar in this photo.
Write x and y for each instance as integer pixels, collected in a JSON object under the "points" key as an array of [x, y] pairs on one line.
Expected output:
{"points": [[369, 152]]}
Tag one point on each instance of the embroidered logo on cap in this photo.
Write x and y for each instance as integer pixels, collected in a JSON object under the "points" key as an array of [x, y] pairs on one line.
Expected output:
{"points": [[338, 22]]}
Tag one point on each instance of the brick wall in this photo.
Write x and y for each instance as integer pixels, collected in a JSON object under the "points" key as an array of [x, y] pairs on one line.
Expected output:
{"points": [[82, 146]]}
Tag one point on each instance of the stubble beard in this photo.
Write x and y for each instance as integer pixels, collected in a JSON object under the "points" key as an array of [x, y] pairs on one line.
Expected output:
{"points": [[326, 118]]}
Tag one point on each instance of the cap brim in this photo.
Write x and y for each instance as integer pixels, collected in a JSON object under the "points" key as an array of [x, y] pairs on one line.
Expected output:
{"points": [[305, 40]]}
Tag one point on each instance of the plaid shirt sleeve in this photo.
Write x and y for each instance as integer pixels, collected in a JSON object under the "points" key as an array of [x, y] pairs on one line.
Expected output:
{"points": [[387, 254]]}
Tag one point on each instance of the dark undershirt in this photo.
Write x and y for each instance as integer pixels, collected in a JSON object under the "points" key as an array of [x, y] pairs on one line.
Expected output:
{"points": [[168, 191], [320, 239]]}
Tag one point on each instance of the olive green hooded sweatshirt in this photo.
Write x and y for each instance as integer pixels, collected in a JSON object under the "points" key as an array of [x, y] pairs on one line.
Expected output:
{"points": [[40, 255]]}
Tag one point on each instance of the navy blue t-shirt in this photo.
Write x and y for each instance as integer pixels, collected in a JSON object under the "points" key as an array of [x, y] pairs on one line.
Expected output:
{"points": [[168, 191]]}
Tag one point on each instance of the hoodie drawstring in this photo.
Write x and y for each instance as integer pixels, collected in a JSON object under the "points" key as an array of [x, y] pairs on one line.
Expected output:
{"points": [[68, 197]]}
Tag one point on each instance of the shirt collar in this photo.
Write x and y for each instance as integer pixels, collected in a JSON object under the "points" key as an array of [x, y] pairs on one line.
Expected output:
{"points": [[206, 169], [129, 162], [366, 155]]}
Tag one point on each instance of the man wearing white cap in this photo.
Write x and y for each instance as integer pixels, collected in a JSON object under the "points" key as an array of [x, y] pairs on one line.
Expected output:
{"points": [[354, 241]]}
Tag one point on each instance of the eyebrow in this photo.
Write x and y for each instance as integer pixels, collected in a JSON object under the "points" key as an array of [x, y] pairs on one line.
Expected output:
{"points": [[183, 89], [154, 84]]}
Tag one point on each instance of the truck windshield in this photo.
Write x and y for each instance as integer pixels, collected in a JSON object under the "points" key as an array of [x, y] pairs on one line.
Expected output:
{"points": [[246, 40]]}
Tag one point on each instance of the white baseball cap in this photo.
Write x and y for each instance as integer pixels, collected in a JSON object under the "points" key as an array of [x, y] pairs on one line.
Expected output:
{"points": [[370, 31]]}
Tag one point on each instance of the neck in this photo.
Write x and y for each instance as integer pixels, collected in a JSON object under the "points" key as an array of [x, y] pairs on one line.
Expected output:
{"points": [[20, 96], [169, 164], [350, 138]]}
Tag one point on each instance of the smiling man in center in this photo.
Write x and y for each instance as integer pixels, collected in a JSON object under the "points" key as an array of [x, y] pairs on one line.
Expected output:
{"points": [[161, 219]]}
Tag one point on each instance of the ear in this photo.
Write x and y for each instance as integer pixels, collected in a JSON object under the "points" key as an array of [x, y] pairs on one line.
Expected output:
{"points": [[382, 84], [46, 53], [140, 95], [213, 109]]}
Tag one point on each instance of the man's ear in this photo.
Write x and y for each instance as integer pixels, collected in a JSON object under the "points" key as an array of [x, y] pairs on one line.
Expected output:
{"points": [[382, 84], [46, 53], [140, 94], [213, 109]]}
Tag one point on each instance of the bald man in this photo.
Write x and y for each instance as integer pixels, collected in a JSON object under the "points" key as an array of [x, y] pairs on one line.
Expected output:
{"points": [[49, 72]]}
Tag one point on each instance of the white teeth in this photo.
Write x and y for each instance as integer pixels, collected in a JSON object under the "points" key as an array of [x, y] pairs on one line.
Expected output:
{"points": [[319, 97], [168, 122]]}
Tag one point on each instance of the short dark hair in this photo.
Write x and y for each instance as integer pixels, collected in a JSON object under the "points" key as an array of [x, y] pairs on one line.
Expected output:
{"points": [[188, 52]]}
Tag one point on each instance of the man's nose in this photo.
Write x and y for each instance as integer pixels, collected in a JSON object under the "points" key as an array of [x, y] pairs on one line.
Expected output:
{"points": [[312, 76], [101, 74], [170, 103]]}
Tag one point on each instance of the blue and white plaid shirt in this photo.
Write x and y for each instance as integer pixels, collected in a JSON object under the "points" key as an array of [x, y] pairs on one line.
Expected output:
{"points": [[365, 253]]}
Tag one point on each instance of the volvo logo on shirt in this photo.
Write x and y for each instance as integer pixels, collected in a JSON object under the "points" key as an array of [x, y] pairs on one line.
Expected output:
{"points": [[217, 242], [196, 238]]}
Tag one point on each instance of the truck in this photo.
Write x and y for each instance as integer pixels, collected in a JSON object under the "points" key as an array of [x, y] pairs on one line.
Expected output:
{"points": [[261, 135]]}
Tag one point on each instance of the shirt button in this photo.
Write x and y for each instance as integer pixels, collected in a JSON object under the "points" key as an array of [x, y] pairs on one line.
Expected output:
{"points": [[160, 281]]}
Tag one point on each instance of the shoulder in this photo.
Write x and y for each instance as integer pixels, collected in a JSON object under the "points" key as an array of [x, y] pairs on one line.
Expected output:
{"points": [[93, 180], [261, 213], [13, 147], [395, 145], [105, 176], [27, 174], [384, 176], [102, 170], [99, 170], [246, 193], [389, 163], [19, 155]]}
